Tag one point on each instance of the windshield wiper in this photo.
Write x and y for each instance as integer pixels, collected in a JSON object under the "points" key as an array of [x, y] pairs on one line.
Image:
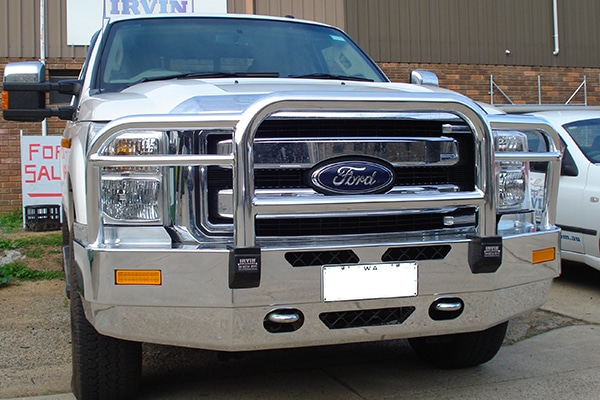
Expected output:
{"points": [[219, 74], [156, 78], [195, 75], [331, 76]]}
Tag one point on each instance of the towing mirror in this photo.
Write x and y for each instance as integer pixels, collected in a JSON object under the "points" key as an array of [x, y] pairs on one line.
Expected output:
{"points": [[24, 93]]}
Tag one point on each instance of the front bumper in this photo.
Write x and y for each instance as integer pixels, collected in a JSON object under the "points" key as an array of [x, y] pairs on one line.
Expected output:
{"points": [[195, 307]]}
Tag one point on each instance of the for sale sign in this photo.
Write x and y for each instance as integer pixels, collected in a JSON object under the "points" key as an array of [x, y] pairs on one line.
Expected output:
{"points": [[40, 170]]}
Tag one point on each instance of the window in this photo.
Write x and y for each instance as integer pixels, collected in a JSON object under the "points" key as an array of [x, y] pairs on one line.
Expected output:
{"points": [[141, 50], [586, 134]]}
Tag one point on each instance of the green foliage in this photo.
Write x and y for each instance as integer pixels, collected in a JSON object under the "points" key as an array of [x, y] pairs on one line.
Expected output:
{"points": [[17, 270], [31, 246], [11, 222], [4, 279], [28, 242]]}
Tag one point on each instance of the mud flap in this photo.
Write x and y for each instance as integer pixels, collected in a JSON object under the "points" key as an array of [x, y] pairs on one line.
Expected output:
{"points": [[244, 268], [485, 254]]}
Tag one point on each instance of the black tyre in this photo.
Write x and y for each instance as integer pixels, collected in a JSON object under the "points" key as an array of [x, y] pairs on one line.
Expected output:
{"points": [[461, 350], [103, 367]]}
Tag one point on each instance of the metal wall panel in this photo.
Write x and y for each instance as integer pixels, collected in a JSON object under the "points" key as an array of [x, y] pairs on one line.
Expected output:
{"points": [[56, 32], [20, 30], [476, 31], [419, 31], [19, 27], [327, 11], [236, 6], [579, 32]]}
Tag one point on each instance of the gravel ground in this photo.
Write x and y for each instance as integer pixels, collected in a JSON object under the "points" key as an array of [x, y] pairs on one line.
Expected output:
{"points": [[35, 354], [35, 339]]}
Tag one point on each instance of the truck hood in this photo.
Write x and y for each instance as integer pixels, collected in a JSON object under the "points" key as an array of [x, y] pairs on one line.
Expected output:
{"points": [[215, 95]]}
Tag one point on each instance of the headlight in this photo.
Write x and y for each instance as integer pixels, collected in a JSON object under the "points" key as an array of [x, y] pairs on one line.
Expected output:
{"points": [[133, 193], [512, 177], [130, 198]]}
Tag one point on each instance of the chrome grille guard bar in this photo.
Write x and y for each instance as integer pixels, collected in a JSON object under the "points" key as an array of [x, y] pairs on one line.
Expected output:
{"points": [[245, 203]]}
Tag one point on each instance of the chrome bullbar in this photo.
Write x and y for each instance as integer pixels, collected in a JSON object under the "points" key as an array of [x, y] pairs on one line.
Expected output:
{"points": [[248, 204]]}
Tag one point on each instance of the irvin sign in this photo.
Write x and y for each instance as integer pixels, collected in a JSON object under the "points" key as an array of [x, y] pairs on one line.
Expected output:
{"points": [[84, 17], [136, 7]]}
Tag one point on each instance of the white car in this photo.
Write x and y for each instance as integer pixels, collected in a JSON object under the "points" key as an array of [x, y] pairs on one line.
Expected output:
{"points": [[578, 210]]}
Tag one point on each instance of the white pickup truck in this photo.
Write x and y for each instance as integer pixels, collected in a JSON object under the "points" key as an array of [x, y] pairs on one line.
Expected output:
{"points": [[240, 183], [578, 206]]}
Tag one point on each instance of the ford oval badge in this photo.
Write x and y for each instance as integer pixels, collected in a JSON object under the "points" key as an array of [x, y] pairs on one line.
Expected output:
{"points": [[352, 176]]}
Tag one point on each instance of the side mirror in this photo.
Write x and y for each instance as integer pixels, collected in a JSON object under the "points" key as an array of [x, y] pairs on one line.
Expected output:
{"points": [[24, 93], [568, 167], [427, 78]]}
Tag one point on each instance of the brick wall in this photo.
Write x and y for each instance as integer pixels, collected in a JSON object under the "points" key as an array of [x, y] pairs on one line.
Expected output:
{"points": [[520, 84]]}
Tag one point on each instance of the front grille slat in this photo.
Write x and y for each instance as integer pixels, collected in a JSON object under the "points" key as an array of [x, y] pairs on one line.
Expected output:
{"points": [[354, 225]]}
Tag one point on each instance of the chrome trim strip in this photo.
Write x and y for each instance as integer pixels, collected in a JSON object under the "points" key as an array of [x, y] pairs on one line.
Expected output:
{"points": [[181, 160], [305, 153], [349, 205], [225, 197]]}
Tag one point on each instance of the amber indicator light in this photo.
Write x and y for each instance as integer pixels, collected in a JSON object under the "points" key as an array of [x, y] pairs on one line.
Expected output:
{"points": [[540, 256], [5, 100], [138, 277]]}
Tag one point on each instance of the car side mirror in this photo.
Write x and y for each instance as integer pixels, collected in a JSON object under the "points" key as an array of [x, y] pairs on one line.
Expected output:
{"points": [[568, 166], [427, 78]]}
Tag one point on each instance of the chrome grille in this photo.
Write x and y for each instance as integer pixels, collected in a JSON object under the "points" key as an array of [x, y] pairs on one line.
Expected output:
{"points": [[310, 258], [416, 253], [362, 318], [442, 160]]}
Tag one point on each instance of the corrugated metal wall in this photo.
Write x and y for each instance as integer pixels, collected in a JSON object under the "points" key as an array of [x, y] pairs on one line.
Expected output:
{"points": [[19, 27], [477, 31], [20, 30], [327, 11]]}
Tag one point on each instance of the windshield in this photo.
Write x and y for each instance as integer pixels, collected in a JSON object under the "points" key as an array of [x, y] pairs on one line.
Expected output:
{"points": [[586, 134], [166, 48]]}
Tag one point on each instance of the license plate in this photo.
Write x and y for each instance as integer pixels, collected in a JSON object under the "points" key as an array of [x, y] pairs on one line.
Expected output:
{"points": [[369, 281]]}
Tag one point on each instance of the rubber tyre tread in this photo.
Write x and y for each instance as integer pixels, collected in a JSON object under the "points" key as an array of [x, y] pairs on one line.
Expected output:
{"points": [[103, 367], [462, 350]]}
